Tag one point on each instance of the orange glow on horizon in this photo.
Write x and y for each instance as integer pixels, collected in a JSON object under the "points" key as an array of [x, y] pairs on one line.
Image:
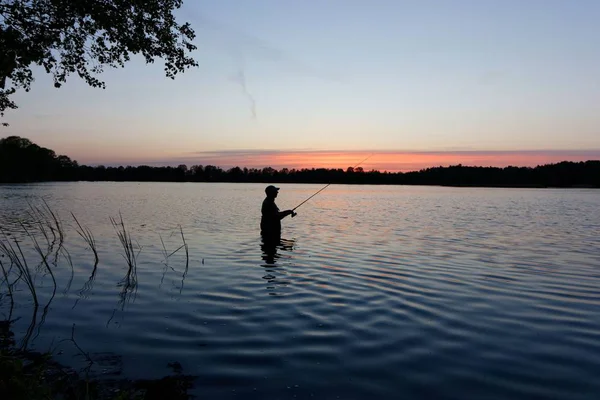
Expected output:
{"points": [[396, 161], [391, 161]]}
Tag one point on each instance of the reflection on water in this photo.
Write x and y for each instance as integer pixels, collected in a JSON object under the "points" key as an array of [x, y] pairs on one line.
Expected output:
{"points": [[385, 292], [275, 273], [270, 248]]}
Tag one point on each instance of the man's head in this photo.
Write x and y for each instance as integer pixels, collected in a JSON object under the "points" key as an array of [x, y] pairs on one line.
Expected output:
{"points": [[271, 191]]}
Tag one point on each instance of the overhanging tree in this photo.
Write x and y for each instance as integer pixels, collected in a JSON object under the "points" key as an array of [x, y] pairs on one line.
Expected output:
{"points": [[83, 37]]}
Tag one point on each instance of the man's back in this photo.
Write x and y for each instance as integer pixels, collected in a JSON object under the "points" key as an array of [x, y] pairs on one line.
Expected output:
{"points": [[270, 222]]}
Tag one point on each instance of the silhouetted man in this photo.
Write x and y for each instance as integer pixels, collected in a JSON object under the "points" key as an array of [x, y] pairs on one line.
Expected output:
{"points": [[270, 223]]}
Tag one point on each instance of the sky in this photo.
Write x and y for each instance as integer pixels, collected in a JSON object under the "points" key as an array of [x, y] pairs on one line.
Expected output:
{"points": [[323, 83]]}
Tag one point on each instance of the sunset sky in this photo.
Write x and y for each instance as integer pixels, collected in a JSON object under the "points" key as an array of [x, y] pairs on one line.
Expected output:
{"points": [[325, 83]]}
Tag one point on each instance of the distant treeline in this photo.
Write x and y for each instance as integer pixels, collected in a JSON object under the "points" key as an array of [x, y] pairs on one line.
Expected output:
{"points": [[23, 161]]}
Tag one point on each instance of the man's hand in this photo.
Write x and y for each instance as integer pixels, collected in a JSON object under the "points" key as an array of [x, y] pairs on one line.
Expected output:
{"points": [[285, 213]]}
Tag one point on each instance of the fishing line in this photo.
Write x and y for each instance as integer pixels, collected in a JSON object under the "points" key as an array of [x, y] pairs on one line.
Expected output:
{"points": [[325, 187]]}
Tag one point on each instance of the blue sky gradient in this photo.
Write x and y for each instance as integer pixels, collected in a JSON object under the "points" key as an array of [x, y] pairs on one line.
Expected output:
{"points": [[403, 76]]}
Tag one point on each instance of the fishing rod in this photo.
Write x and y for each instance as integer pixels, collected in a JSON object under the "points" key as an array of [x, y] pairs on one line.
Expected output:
{"points": [[325, 187]]}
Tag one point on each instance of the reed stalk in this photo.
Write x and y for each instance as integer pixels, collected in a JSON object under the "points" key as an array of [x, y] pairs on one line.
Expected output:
{"points": [[187, 259], [129, 283], [88, 237], [17, 258], [126, 242], [37, 247], [9, 286]]}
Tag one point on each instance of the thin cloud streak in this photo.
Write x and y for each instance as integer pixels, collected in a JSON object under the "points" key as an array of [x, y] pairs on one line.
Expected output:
{"points": [[383, 160], [233, 39]]}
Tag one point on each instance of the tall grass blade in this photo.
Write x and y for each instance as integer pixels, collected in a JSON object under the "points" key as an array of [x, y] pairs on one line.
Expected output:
{"points": [[18, 259], [129, 283], [70, 260], [187, 259], [88, 237], [5, 274]]}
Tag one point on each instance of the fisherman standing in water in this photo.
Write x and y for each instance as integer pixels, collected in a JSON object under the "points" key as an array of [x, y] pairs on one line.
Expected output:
{"points": [[270, 223]]}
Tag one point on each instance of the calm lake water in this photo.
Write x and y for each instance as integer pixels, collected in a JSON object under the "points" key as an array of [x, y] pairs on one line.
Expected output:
{"points": [[376, 292]]}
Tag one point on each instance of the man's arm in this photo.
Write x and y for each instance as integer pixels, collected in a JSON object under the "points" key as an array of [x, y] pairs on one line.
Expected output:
{"points": [[283, 214]]}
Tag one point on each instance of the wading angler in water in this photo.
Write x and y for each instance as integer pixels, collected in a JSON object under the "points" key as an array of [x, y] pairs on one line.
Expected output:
{"points": [[270, 223]]}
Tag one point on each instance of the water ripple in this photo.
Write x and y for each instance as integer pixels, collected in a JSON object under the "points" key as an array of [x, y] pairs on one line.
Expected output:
{"points": [[377, 292]]}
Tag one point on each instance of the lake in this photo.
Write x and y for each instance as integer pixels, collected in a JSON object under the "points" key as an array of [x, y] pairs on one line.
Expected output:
{"points": [[376, 291]]}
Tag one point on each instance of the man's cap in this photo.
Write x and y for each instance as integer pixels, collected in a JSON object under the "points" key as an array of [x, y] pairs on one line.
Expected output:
{"points": [[271, 189]]}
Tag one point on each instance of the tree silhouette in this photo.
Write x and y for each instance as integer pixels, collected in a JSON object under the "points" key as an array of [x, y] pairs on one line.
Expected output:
{"points": [[82, 37], [23, 161]]}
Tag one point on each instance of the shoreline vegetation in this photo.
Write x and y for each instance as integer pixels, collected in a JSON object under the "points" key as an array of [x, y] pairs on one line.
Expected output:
{"points": [[22, 161], [33, 375], [33, 248]]}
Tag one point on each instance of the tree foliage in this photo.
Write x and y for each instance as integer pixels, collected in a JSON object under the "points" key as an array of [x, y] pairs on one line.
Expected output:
{"points": [[23, 161], [83, 37]]}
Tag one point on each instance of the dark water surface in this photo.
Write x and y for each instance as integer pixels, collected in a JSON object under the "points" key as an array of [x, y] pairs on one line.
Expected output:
{"points": [[377, 292]]}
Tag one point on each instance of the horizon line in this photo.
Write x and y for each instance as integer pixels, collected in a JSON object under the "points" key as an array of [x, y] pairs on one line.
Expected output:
{"points": [[175, 165], [381, 160]]}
